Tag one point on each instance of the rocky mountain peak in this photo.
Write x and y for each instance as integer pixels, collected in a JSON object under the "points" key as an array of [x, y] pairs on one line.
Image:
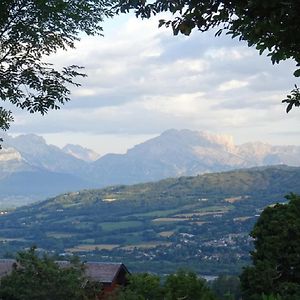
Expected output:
{"points": [[184, 140], [8, 154], [81, 152]]}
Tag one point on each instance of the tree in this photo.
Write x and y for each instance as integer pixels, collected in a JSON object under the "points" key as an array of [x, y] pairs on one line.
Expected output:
{"points": [[226, 287], [181, 285], [31, 30], [35, 278], [142, 286], [270, 26], [187, 286], [276, 258]]}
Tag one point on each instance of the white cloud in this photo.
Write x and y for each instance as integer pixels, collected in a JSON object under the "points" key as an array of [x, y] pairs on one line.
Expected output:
{"points": [[232, 85], [229, 53], [142, 80], [184, 105], [84, 92]]}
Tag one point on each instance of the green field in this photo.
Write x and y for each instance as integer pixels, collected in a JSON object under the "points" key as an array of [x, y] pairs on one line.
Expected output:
{"points": [[111, 226]]}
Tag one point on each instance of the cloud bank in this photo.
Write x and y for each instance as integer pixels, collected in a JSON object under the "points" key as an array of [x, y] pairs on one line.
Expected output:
{"points": [[142, 81]]}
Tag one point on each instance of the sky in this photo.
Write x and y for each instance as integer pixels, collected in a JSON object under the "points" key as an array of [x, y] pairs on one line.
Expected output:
{"points": [[142, 80]]}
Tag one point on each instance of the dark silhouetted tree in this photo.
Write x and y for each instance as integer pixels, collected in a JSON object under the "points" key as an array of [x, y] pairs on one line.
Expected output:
{"points": [[276, 258], [180, 285], [31, 30], [34, 278]]}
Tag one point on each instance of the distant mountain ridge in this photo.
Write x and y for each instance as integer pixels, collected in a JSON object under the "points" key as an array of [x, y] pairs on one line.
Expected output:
{"points": [[31, 170], [184, 152], [174, 153], [36, 152]]}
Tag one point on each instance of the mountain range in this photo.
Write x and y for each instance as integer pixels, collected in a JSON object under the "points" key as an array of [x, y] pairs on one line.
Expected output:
{"points": [[31, 170]]}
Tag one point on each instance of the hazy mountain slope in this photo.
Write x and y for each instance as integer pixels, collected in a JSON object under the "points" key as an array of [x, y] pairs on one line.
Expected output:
{"points": [[22, 183], [11, 161], [40, 183], [183, 152], [173, 153], [31, 170], [263, 154], [36, 152]]}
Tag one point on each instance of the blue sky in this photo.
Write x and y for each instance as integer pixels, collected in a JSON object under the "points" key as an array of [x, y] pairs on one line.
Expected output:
{"points": [[142, 80]]}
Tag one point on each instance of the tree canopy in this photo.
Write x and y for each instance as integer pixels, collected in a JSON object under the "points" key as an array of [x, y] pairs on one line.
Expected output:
{"points": [[180, 285], [34, 278], [270, 26], [276, 259], [31, 30], [186, 285], [226, 287], [142, 286]]}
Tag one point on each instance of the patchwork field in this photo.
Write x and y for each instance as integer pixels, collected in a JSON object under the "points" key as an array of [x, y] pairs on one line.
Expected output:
{"points": [[88, 248]]}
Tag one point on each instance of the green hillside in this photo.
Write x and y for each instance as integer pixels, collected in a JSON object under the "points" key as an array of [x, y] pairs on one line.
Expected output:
{"points": [[200, 222]]}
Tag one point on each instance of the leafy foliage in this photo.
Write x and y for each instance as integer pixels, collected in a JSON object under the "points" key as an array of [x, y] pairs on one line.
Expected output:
{"points": [[31, 30], [276, 260], [293, 99], [186, 285], [227, 287], [35, 278], [142, 286], [268, 25], [271, 297], [181, 285]]}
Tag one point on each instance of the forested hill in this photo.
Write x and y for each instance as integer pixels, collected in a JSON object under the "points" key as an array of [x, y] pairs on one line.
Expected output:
{"points": [[273, 181], [208, 218]]}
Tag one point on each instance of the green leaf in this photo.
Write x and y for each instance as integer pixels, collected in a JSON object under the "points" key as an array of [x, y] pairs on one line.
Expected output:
{"points": [[289, 107], [297, 73]]}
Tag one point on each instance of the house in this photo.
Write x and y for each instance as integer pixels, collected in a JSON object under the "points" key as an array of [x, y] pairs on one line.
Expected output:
{"points": [[111, 275]]}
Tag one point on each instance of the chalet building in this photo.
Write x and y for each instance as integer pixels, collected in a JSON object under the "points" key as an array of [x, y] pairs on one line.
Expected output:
{"points": [[110, 275]]}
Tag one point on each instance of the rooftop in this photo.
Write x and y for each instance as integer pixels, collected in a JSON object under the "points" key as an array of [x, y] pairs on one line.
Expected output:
{"points": [[97, 271]]}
